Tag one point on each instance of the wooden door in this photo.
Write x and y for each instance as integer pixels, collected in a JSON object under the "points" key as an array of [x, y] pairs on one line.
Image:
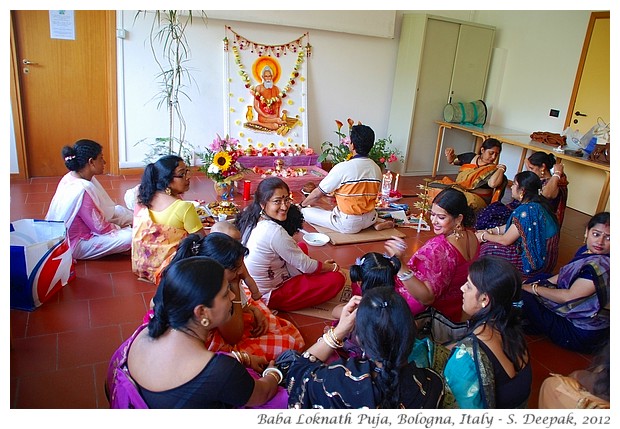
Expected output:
{"points": [[591, 96], [68, 91], [591, 93]]}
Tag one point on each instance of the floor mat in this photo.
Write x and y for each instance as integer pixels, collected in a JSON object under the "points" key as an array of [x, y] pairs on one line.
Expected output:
{"points": [[324, 310], [364, 236]]}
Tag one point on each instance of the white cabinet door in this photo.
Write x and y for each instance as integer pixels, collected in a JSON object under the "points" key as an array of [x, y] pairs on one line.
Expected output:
{"points": [[439, 51], [469, 77], [446, 60]]}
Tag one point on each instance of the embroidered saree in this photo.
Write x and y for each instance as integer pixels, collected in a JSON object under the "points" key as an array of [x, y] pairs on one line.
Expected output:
{"points": [[152, 244], [349, 384], [473, 181], [471, 375], [581, 324], [536, 249]]}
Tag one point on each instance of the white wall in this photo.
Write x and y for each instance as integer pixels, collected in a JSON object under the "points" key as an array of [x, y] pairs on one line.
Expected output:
{"points": [[348, 76], [535, 58]]}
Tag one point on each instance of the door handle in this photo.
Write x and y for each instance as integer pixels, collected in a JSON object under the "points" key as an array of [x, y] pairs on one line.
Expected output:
{"points": [[29, 63], [578, 113]]}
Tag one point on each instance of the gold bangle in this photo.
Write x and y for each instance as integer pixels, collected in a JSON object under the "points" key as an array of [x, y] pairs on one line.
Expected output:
{"points": [[336, 267], [332, 334], [275, 372], [535, 289]]}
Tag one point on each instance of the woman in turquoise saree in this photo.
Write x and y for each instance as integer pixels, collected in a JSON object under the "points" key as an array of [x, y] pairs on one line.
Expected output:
{"points": [[490, 367]]}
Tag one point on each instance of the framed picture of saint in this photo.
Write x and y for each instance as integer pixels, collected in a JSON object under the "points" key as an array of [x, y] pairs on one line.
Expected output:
{"points": [[266, 102]]}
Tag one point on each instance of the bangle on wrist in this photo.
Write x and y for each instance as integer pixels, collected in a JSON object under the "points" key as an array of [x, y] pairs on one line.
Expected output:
{"points": [[405, 276], [275, 373], [336, 267], [558, 175], [236, 302], [482, 237], [497, 229], [535, 289], [332, 340]]}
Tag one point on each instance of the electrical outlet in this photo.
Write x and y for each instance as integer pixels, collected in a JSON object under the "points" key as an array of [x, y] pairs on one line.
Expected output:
{"points": [[554, 112]]}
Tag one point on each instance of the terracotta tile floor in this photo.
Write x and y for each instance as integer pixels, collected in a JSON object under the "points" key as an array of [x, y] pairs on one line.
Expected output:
{"points": [[59, 352]]}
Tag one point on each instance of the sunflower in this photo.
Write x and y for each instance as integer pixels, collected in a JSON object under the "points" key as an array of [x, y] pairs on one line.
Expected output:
{"points": [[222, 160]]}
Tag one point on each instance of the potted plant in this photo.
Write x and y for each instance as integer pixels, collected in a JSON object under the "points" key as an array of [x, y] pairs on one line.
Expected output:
{"points": [[332, 154], [382, 151], [171, 52]]}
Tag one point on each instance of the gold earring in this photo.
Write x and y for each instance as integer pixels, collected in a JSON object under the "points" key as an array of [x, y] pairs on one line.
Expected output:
{"points": [[457, 232], [168, 191], [205, 322]]}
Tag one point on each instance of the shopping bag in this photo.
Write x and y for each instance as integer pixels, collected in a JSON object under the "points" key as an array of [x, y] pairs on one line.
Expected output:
{"points": [[41, 261]]}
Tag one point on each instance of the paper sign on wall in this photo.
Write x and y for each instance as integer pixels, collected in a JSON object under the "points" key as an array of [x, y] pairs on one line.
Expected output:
{"points": [[62, 24]]}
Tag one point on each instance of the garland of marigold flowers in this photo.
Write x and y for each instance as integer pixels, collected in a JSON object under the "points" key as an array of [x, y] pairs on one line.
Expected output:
{"points": [[248, 83]]}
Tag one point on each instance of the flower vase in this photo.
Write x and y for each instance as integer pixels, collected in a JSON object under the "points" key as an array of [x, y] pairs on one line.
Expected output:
{"points": [[224, 190]]}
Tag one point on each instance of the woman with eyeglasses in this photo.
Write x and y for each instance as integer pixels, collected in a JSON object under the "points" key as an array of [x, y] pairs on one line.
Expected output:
{"points": [[161, 217], [287, 277], [572, 307]]}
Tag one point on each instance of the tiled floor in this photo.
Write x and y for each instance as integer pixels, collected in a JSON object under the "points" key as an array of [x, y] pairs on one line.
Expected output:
{"points": [[60, 352]]}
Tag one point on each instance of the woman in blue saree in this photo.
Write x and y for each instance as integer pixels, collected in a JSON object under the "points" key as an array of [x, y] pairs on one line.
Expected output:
{"points": [[529, 240], [572, 307]]}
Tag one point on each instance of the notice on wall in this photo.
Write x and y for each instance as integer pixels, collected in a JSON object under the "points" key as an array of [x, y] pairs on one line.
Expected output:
{"points": [[62, 24]]}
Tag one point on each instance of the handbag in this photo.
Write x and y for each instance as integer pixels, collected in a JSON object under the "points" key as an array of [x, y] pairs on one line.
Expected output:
{"points": [[600, 153], [433, 324]]}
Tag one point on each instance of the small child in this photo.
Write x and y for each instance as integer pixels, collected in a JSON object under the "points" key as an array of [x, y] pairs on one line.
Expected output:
{"points": [[232, 231], [370, 271]]}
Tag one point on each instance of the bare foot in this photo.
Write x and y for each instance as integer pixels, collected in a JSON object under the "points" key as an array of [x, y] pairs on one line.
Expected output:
{"points": [[386, 224]]}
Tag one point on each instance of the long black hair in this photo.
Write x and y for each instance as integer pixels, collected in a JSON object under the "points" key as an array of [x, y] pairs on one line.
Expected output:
{"points": [[184, 285], [531, 185], [386, 332], [157, 177], [541, 158], [77, 156], [501, 281], [454, 202], [374, 270], [216, 245]]}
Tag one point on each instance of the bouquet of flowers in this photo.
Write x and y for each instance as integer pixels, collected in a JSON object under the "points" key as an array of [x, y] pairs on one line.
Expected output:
{"points": [[220, 160]]}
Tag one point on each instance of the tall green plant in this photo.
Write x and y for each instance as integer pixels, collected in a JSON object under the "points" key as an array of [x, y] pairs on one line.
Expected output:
{"points": [[171, 52]]}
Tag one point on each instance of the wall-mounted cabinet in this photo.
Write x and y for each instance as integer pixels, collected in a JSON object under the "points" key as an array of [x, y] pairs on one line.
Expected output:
{"points": [[440, 61]]}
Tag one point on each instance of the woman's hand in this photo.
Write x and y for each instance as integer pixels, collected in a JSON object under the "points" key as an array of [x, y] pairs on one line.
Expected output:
{"points": [[347, 318], [450, 155], [260, 322], [395, 246], [259, 363], [482, 235], [558, 168], [330, 265]]}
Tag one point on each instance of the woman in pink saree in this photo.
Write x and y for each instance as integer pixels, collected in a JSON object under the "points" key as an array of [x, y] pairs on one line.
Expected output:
{"points": [[434, 274]]}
